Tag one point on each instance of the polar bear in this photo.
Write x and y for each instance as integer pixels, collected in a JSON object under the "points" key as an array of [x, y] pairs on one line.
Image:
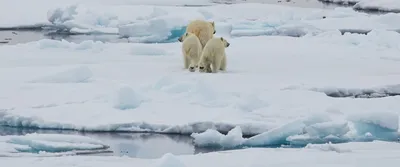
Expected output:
{"points": [[191, 49], [213, 57], [204, 30]]}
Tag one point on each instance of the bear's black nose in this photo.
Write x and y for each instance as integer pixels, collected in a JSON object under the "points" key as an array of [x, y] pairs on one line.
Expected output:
{"points": [[227, 45], [201, 67], [191, 67]]}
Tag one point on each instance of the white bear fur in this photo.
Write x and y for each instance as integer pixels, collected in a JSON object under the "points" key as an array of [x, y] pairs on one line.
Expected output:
{"points": [[191, 49], [204, 30], [213, 57]]}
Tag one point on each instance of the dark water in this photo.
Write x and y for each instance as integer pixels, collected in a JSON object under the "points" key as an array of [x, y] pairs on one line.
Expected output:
{"points": [[23, 36], [140, 145]]}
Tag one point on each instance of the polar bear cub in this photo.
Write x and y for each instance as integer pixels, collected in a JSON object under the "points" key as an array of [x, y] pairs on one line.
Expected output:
{"points": [[204, 30], [213, 57], [191, 49]]}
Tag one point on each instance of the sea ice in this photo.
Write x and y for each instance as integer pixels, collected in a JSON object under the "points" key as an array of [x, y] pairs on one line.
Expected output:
{"points": [[77, 75], [345, 2], [356, 154], [55, 144], [378, 5], [127, 98]]}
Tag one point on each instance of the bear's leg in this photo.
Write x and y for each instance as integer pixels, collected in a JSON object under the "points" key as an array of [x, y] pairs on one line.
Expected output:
{"points": [[208, 68], [193, 64], [223, 64], [215, 66], [186, 62]]}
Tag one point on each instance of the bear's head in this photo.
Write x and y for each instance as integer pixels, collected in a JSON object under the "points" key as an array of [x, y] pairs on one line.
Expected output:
{"points": [[183, 37], [213, 26], [225, 42]]}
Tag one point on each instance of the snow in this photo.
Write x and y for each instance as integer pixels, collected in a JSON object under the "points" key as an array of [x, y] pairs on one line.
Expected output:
{"points": [[158, 24], [170, 160], [375, 5], [141, 87], [127, 99], [75, 75], [362, 154], [47, 145], [292, 79], [379, 5]]}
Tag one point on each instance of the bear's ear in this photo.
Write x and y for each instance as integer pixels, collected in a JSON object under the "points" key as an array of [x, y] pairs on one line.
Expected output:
{"points": [[222, 39], [213, 24]]}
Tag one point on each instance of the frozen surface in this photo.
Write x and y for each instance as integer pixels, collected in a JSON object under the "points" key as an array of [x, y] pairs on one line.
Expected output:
{"points": [[376, 5], [147, 23], [277, 88], [354, 154], [165, 24], [346, 2], [142, 87], [379, 5], [311, 130], [47, 145]]}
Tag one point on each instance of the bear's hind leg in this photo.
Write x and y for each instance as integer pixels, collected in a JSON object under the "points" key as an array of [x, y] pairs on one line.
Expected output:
{"points": [[215, 66], [223, 64], [208, 68]]}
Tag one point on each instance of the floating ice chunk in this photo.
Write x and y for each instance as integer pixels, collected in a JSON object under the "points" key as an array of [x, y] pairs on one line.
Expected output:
{"points": [[209, 138], [53, 143], [76, 75], [379, 125], [77, 19], [328, 128], [276, 136], [302, 140], [169, 160], [60, 15], [233, 138], [127, 99], [388, 120], [157, 27], [212, 138]]}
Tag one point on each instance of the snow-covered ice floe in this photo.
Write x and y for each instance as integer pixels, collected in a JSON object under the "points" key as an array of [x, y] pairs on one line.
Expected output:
{"points": [[324, 155], [365, 127], [48, 145], [165, 24], [275, 88], [159, 24], [344, 2], [378, 5], [371, 5]]}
